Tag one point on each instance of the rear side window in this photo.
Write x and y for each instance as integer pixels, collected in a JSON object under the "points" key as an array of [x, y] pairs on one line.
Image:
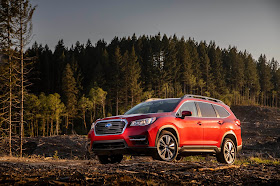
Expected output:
{"points": [[221, 111], [206, 110], [188, 106]]}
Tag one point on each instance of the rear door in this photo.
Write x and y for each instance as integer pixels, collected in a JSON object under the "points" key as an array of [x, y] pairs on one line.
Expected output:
{"points": [[210, 124]]}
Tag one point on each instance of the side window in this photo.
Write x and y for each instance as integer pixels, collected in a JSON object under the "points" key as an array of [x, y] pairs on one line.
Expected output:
{"points": [[206, 109], [188, 106], [221, 111]]}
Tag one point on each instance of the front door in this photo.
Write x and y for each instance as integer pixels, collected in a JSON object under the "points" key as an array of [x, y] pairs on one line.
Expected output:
{"points": [[190, 126]]}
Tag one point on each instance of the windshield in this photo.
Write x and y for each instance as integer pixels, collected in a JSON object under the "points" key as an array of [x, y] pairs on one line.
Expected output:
{"points": [[158, 106]]}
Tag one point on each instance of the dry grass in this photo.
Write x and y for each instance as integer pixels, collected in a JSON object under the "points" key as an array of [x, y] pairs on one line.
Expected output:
{"points": [[257, 160]]}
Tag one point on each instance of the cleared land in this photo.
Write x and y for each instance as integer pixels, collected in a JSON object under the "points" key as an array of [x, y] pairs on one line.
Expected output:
{"points": [[60, 160]]}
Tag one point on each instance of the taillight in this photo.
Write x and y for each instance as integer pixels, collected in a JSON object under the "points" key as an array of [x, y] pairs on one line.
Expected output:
{"points": [[237, 122]]}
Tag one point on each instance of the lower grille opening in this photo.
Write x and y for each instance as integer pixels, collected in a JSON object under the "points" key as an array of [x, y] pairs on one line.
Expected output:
{"points": [[112, 145]]}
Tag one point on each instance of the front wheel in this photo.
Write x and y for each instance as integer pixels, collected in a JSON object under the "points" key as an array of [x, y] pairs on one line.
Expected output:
{"points": [[167, 147], [228, 152]]}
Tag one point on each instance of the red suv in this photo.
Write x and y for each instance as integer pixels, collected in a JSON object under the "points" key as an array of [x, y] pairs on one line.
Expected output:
{"points": [[168, 129]]}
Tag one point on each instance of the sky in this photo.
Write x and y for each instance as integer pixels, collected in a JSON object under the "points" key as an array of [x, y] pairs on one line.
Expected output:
{"points": [[251, 25]]}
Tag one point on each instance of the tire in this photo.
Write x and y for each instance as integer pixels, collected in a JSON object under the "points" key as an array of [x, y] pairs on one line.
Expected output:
{"points": [[228, 152], [105, 159], [116, 158], [166, 147]]}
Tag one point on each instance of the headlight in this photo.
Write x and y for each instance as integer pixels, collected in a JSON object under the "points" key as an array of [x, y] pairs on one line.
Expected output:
{"points": [[143, 122]]}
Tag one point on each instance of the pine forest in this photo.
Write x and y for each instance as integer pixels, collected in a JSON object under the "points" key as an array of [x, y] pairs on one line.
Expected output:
{"points": [[47, 92]]}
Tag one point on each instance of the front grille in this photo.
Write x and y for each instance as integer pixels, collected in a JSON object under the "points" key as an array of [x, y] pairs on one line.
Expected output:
{"points": [[112, 127], [108, 146]]}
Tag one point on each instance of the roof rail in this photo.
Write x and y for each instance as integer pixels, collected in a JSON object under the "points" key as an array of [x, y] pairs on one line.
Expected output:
{"points": [[202, 97]]}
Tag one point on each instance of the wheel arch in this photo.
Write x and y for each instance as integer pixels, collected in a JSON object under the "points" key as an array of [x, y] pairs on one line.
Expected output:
{"points": [[171, 129], [231, 135]]}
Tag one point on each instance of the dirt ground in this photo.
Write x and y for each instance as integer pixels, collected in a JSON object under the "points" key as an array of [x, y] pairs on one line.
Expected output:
{"points": [[139, 171], [60, 160]]}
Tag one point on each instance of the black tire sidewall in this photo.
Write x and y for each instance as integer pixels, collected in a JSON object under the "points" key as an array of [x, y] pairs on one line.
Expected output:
{"points": [[157, 156]]}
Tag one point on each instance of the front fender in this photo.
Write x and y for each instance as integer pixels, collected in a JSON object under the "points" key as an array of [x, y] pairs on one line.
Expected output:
{"points": [[169, 126]]}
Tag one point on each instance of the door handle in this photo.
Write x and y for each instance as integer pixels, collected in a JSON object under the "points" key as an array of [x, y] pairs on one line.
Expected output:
{"points": [[199, 123], [220, 122]]}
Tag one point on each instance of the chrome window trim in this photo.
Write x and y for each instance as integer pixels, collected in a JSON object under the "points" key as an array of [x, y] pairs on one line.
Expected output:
{"points": [[183, 104], [199, 108], [124, 120]]}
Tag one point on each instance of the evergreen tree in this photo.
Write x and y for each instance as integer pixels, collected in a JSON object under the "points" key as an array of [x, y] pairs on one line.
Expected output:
{"points": [[57, 66], [218, 76], [124, 71], [251, 78], [276, 81], [134, 83], [116, 78], [205, 67], [195, 61], [186, 73], [170, 67], [265, 78], [70, 92]]}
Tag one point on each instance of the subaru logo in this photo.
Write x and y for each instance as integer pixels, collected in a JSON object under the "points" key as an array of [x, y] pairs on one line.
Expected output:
{"points": [[108, 125]]}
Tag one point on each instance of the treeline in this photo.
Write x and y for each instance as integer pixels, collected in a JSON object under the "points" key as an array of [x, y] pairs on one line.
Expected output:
{"points": [[45, 92], [72, 87], [130, 70]]}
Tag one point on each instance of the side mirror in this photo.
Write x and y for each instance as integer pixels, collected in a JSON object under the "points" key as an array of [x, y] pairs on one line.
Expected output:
{"points": [[186, 113]]}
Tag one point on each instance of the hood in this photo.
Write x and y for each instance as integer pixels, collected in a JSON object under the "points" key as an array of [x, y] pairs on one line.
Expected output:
{"points": [[133, 117]]}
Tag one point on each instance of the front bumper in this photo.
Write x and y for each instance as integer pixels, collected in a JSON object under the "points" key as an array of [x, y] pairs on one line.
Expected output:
{"points": [[136, 136]]}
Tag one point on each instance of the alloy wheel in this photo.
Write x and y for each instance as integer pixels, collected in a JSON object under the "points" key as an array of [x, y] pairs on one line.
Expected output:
{"points": [[229, 152], [167, 147]]}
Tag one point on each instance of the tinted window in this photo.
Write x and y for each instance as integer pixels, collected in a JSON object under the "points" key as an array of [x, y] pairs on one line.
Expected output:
{"points": [[221, 111], [206, 110], [158, 106], [188, 106]]}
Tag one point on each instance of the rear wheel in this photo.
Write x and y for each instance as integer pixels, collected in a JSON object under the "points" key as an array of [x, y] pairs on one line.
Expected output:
{"points": [[105, 159], [167, 147], [228, 152]]}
